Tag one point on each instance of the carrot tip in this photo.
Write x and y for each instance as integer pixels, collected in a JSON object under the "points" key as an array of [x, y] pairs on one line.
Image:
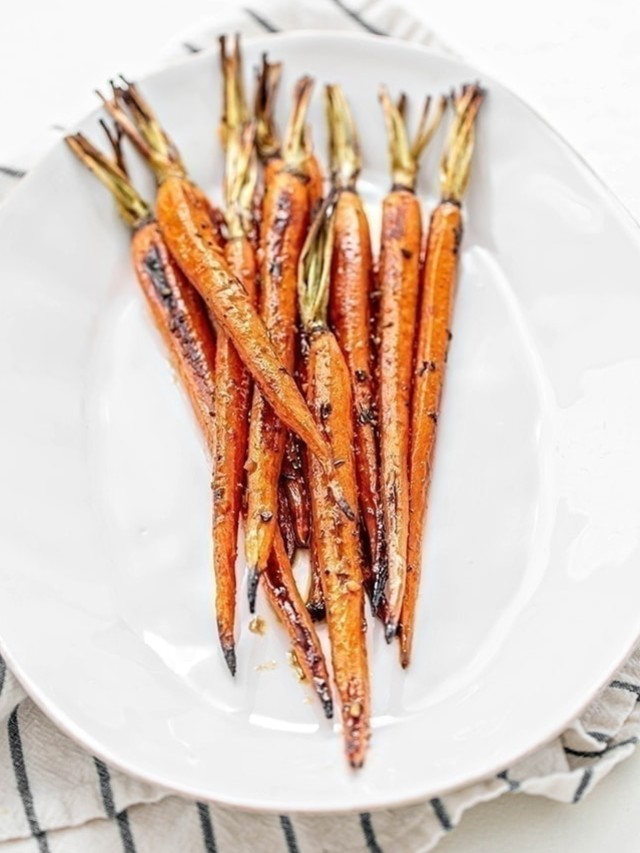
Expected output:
{"points": [[390, 631], [327, 702], [316, 611], [229, 653], [252, 588]]}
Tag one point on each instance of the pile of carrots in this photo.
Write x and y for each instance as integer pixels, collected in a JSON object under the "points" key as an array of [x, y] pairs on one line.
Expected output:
{"points": [[315, 373]]}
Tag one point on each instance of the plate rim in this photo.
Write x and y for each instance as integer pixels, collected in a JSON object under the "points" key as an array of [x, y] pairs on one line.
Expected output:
{"points": [[275, 804]]}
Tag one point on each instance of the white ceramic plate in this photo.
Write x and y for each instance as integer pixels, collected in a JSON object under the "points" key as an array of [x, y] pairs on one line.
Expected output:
{"points": [[532, 581]]}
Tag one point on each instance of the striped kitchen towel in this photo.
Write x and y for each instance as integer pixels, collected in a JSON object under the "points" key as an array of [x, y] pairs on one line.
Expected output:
{"points": [[56, 797]]}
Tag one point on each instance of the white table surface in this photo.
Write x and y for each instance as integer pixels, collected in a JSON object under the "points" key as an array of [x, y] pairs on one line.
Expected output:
{"points": [[576, 61]]}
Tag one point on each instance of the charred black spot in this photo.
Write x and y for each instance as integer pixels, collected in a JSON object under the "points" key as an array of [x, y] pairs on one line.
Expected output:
{"points": [[275, 269], [433, 416], [406, 253], [361, 375], [457, 239], [325, 411], [155, 269], [427, 367], [366, 416]]}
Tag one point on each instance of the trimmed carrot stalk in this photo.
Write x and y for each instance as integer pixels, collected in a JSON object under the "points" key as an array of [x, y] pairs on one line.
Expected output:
{"points": [[434, 336], [233, 382], [336, 535], [399, 282], [285, 218], [177, 310], [351, 285], [283, 596], [185, 223], [293, 487]]}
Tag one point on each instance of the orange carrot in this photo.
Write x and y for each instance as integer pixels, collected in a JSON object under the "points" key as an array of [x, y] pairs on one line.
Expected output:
{"points": [[285, 217], [336, 534], [283, 596], [434, 335], [398, 276], [186, 226], [233, 385], [351, 285], [178, 311]]}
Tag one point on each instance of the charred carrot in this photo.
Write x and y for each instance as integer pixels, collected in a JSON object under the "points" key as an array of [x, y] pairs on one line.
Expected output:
{"points": [[434, 335], [283, 596], [232, 380], [351, 286], [336, 535], [294, 487], [184, 220], [285, 218], [398, 277], [178, 311]]}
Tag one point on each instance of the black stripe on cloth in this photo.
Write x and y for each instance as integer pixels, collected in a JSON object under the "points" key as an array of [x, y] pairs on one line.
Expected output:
{"points": [[263, 22], [579, 753], [191, 48], [289, 834], [601, 736], [628, 686], [12, 172], [208, 837], [3, 672], [513, 785], [369, 834], [22, 781], [358, 19], [441, 813], [121, 818], [582, 785]]}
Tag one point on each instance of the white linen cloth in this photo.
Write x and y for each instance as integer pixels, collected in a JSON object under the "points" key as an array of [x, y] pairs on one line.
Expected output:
{"points": [[56, 797]]}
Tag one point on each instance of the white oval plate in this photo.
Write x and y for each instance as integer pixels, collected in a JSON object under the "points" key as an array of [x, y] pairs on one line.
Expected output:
{"points": [[532, 581]]}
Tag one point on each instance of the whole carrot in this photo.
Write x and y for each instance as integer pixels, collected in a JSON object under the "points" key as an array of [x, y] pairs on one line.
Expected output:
{"points": [[336, 535], [434, 335], [285, 219], [398, 279], [178, 312], [351, 285], [185, 222], [283, 596], [232, 380]]}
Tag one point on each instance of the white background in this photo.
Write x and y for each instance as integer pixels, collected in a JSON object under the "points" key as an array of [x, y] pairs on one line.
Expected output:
{"points": [[577, 63]]}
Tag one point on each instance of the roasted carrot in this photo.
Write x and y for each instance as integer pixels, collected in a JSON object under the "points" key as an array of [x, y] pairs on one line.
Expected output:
{"points": [[285, 218], [233, 385], [351, 285], [336, 534], [283, 596], [398, 277], [184, 219], [434, 336], [294, 488], [178, 312]]}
